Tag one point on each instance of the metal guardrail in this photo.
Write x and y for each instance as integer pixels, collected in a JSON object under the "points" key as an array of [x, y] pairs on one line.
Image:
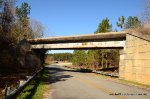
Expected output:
{"points": [[13, 94]]}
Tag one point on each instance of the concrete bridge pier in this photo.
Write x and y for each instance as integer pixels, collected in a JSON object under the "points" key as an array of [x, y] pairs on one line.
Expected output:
{"points": [[41, 55], [121, 63]]}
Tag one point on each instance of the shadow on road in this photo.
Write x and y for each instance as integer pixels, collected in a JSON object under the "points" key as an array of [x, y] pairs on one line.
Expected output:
{"points": [[56, 74]]}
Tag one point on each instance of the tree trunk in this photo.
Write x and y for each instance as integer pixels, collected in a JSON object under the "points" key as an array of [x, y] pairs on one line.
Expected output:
{"points": [[106, 61], [102, 62]]}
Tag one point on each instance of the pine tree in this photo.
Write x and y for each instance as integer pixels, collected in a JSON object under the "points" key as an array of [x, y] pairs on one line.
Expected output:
{"points": [[104, 26], [121, 22], [79, 57], [23, 21], [132, 22]]}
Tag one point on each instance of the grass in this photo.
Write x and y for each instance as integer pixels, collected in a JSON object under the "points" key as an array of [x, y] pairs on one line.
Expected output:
{"points": [[36, 88]]}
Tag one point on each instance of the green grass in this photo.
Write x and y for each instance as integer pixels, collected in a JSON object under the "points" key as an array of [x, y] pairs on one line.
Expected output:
{"points": [[36, 88]]}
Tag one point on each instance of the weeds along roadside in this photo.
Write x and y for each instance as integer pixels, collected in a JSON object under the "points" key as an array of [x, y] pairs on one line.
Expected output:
{"points": [[36, 88]]}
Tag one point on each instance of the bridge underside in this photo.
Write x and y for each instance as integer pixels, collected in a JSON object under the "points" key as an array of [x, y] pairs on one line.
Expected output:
{"points": [[83, 45]]}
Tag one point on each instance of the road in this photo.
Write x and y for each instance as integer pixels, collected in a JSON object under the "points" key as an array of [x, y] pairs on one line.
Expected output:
{"points": [[67, 84]]}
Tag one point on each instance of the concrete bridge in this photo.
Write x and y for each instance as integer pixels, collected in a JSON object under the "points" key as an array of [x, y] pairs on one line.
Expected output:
{"points": [[93, 41], [134, 50]]}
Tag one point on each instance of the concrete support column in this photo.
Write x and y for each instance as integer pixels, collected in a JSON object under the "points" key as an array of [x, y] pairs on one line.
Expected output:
{"points": [[122, 64], [41, 55]]}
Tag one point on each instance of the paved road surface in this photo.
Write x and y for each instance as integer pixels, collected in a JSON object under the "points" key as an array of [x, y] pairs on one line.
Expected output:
{"points": [[66, 84]]}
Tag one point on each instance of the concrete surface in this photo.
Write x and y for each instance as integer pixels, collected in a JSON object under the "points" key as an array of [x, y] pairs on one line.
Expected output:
{"points": [[67, 84], [134, 60], [83, 45]]}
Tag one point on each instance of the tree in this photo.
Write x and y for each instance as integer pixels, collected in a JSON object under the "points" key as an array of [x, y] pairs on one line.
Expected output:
{"points": [[97, 59], [15, 26], [6, 21], [62, 56], [146, 16], [104, 26], [132, 22], [79, 57], [37, 28], [93, 59], [23, 21], [121, 22], [23, 11]]}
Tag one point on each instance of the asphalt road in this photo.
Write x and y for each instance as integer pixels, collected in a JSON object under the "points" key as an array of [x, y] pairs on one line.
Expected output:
{"points": [[67, 84]]}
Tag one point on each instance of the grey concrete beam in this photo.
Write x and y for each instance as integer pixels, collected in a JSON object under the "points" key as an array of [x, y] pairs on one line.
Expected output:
{"points": [[84, 45], [110, 36]]}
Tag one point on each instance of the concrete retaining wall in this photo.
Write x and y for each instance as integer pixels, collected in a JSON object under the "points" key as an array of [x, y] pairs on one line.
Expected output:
{"points": [[135, 60]]}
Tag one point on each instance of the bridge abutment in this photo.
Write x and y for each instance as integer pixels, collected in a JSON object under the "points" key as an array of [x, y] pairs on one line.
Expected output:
{"points": [[135, 60]]}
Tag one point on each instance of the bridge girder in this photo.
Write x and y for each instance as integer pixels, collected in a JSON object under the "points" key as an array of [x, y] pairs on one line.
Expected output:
{"points": [[83, 45]]}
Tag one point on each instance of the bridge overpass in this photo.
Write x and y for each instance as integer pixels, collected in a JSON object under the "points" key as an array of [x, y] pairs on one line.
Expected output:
{"points": [[134, 50], [89, 41]]}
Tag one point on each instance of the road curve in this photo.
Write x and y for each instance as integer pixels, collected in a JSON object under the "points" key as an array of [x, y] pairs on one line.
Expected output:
{"points": [[67, 84]]}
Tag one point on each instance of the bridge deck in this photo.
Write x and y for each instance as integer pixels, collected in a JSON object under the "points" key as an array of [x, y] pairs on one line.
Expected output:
{"points": [[110, 36]]}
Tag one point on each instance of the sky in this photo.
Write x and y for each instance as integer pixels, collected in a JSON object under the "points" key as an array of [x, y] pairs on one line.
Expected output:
{"points": [[73, 17]]}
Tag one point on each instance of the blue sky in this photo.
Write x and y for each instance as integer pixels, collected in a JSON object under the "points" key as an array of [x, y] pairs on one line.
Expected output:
{"points": [[72, 17]]}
